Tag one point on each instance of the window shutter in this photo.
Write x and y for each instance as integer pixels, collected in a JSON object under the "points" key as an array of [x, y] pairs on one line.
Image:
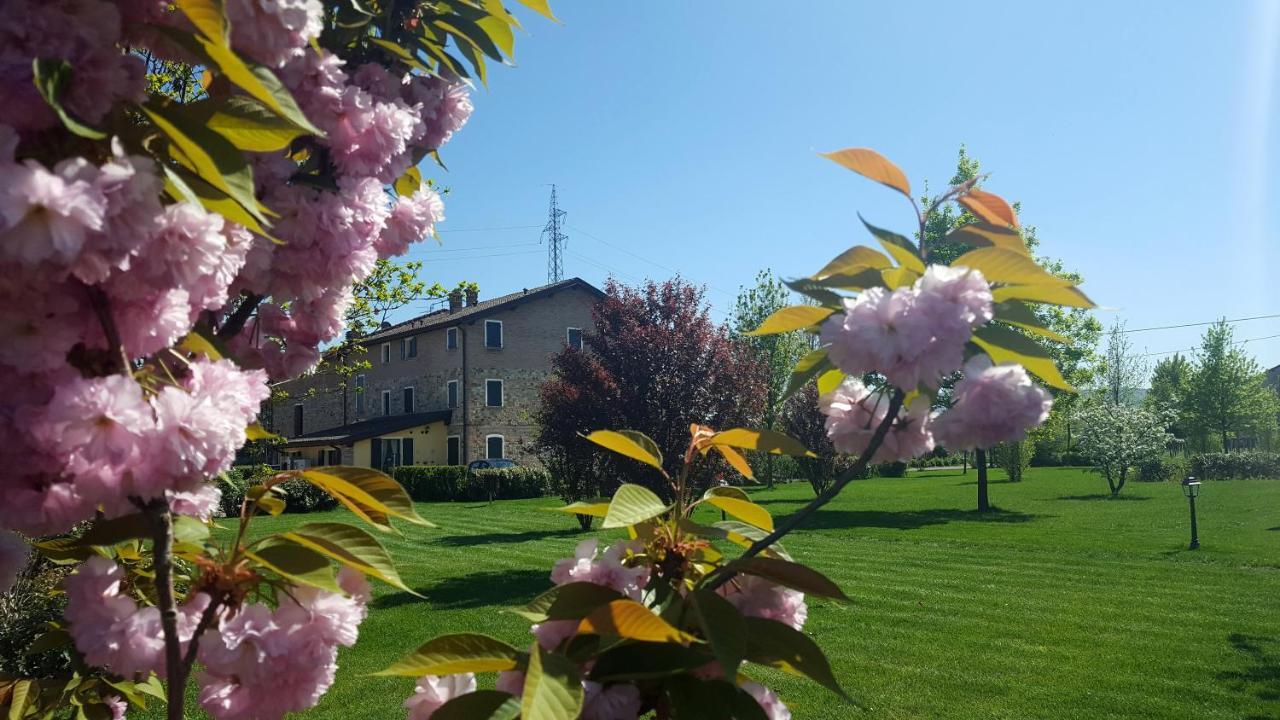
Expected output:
{"points": [[375, 453], [406, 451], [413, 346]]}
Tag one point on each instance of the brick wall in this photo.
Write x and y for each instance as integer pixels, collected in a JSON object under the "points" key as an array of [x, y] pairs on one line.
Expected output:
{"points": [[533, 331]]}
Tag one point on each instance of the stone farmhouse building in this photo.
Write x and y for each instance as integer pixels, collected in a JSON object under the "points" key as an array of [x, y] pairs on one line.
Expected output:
{"points": [[446, 388]]}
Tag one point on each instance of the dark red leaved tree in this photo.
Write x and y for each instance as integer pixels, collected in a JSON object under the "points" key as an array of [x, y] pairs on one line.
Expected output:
{"points": [[654, 362]]}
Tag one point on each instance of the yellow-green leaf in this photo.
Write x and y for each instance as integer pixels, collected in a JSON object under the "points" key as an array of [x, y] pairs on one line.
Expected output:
{"points": [[792, 575], [999, 265], [1006, 346], [251, 125], [1015, 313], [853, 260], [633, 504], [895, 278], [296, 563], [795, 317], [779, 645], [745, 510], [453, 654], [209, 18], [1048, 294], [409, 183], [872, 165], [984, 234], [350, 546], [633, 621], [256, 432], [989, 207], [479, 705], [542, 7], [740, 533], [594, 509], [183, 186], [830, 380], [814, 363], [770, 441], [632, 444], [552, 687], [195, 343], [51, 79], [903, 250], [371, 495], [735, 459]]}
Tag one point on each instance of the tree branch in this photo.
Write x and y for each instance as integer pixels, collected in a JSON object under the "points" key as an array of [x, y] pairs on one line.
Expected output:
{"points": [[235, 323], [206, 620], [101, 308], [157, 513], [726, 572]]}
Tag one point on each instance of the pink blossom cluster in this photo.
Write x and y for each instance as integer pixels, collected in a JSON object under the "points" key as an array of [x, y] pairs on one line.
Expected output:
{"points": [[111, 631], [274, 31], [991, 404], [105, 443], [912, 335], [377, 125], [915, 337], [854, 411], [433, 691], [587, 565], [262, 663], [757, 597], [84, 33]]}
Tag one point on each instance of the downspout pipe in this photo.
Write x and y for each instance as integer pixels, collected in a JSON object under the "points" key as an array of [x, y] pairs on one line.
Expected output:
{"points": [[463, 387]]}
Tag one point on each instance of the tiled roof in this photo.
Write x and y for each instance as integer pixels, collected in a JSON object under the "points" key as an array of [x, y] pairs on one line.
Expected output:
{"points": [[373, 427], [444, 318]]}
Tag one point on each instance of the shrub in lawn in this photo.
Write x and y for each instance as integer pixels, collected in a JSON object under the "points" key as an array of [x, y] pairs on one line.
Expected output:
{"points": [[301, 496], [1164, 468], [1014, 458], [1238, 465], [432, 483], [891, 469]]}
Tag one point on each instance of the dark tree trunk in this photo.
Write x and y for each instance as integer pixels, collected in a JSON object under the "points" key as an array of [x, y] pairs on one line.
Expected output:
{"points": [[965, 462], [980, 462], [768, 471]]}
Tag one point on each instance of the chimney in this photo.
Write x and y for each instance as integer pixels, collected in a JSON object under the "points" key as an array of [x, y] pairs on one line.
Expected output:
{"points": [[473, 296], [455, 300]]}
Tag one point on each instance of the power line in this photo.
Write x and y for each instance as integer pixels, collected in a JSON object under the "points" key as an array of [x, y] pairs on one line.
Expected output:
{"points": [[644, 259], [487, 255], [615, 271], [469, 249], [1197, 324], [1191, 349], [488, 229]]}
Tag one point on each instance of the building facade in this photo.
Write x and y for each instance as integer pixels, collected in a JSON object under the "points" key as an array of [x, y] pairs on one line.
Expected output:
{"points": [[446, 388]]}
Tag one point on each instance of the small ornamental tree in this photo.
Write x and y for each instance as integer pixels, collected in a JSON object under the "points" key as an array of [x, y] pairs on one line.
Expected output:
{"points": [[803, 420], [1117, 438], [653, 361]]}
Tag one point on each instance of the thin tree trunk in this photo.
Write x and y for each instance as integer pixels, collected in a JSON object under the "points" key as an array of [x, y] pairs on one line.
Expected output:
{"points": [[980, 462]]}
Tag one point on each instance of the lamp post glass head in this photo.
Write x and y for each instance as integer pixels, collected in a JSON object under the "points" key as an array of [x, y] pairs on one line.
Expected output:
{"points": [[1191, 487]]}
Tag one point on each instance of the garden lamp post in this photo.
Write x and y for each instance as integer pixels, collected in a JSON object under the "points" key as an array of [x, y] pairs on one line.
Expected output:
{"points": [[1191, 488]]}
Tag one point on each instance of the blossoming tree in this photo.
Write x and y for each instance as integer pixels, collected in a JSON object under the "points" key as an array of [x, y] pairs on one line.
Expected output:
{"points": [[673, 620], [166, 251]]}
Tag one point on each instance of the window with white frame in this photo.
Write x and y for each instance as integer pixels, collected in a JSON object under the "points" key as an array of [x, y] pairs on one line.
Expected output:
{"points": [[493, 333], [386, 402], [408, 400], [360, 394], [408, 347], [573, 338], [493, 393], [495, 447], [451, 391], [453, 450], [451, 339], [386, 353]]}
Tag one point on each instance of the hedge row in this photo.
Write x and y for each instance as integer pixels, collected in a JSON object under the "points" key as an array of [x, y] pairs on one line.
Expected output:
{"points": [[1238, 465], [300, 496], [448, 483]]}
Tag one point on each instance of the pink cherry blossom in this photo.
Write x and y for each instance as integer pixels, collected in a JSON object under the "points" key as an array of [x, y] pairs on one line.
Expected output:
{"points": [[769, 701], [201, 503], [274, 31], [117, 705], [510, 682], [14, 552], [607, 569], [47, 215], [433, 691], [990, 405], [445, 107], [854, 412], [551, 633], [756, 597], [411, 220]]}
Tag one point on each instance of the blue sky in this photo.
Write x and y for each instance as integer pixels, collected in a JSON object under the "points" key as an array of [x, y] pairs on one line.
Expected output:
{"points": [[1141, 139]]}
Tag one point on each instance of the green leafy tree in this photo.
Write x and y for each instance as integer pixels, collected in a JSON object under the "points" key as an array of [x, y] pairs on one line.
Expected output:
{"points": [[777, 354], [1226, 394], [1169, 379], [1123, 370]]}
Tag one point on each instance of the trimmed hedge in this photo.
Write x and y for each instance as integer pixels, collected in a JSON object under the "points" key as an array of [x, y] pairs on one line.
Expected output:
{"points": [[1165, 468], [1237, 465], [300, 496], [452, 483]]}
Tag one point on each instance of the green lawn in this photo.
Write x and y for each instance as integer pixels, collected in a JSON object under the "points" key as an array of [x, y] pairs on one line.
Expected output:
{"points": [[1064, 604]]}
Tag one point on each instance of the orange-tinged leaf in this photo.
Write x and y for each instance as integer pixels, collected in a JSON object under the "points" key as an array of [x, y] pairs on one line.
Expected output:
{"points": [[594, 509], [849, 262], [796, 317], [734, 458], [1048, 294], [769, 441], [633, 621], [872, 165], [989, 207]]}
